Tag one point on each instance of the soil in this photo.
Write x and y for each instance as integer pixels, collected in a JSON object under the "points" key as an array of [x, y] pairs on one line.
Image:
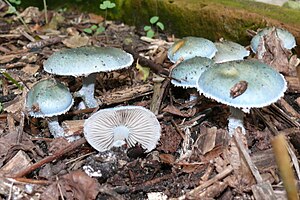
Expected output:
{"points": [[195, 157]]}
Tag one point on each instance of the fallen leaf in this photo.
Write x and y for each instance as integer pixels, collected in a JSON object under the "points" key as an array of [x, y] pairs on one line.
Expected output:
{"points": [[271, 51], [175, 111], [76, 41], [75, 185], [143, 72], [238, 89]]}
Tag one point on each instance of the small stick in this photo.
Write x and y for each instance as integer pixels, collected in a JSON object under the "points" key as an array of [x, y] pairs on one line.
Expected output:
{"points": [[56, 155]]}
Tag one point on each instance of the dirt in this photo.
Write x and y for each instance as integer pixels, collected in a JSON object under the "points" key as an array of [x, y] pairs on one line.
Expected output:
{"points": [[195, 157]]}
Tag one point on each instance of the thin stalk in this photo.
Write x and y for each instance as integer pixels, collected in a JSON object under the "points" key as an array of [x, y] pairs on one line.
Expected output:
{"points": [[20, 18], [12, 79], [45, 11]]}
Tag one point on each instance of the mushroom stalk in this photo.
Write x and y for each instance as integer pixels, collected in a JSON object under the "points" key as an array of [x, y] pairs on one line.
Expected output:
{"points": [[87, 91], [236, 119], [55, 129]]}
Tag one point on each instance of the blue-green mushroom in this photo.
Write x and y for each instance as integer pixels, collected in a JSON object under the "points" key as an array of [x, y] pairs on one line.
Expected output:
{"points": [[242, 85], [48, 99], [86, 62]]}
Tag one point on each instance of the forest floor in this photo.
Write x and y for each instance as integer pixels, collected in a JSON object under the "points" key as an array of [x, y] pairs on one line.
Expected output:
{"points": [[195, 157]]}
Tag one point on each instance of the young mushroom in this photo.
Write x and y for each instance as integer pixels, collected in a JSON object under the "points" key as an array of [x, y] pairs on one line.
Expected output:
{"points": [[86, 61], [48, 99], [189, 47], [229, 51], [113, 127], [242, 85], [287, 39]]}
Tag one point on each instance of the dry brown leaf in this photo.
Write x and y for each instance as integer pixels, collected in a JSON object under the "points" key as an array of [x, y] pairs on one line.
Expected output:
{"points": [[30, 69], [75, 185], [271, 51], [175, 111], [170, 139], [95, 19], [167, 158], [206, 141], [76, 41]]}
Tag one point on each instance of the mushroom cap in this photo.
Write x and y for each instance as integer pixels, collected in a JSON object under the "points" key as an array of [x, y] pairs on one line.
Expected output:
{"points": [[265, 85], [135, 124], [48, 98], [229, 51], [286, 37], [189, 47], [83, 61], [188, 71]]}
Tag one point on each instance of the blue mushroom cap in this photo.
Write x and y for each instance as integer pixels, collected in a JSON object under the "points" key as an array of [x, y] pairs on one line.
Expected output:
{"points": [[48, 98], [186, 73], [189, 47], [83, 61], [229, 51], [286, 37], [265, 85]]}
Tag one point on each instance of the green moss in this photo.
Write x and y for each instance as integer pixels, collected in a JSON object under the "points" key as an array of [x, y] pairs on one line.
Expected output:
{"points": [[211, 19]]}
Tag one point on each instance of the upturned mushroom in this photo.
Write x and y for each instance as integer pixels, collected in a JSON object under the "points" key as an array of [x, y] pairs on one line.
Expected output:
{"points": [[113, 127], [189, 47], [242, 85], [229, 51], [48, 99], [287, 39], [86, 61]]}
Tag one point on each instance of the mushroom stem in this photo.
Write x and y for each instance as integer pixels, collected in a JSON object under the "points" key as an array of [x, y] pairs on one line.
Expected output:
{"points": [[55, 129], [236, 119], [87, 91]]}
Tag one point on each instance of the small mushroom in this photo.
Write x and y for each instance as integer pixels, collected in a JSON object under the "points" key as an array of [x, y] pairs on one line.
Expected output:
{"points": [[49, 98], [262, 87], [186, 73], [288, 40], [113, 127], [86, 61], [229, 51], [189, 47]]}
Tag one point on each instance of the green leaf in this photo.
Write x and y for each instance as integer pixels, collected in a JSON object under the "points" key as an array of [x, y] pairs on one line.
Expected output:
{"points": [[147, 28], [100, 29], [103, 6], [88, 30], [143, 72], [160, 25], [94, 27], [150, 33], [154, 19], [111, 5], [11, 10]]}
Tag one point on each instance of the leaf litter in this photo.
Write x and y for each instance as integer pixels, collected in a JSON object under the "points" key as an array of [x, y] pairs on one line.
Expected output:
{"points": [[195, 158]]}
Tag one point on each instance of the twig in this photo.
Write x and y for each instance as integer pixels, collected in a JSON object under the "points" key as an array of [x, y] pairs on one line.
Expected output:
{"points": [[246, 156], [206, 184], [50, 158]]}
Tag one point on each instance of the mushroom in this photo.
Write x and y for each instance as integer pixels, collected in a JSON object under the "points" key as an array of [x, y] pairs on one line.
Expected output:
{"points": [[189, 47], [242, 85], [86, 61], [186, 73], [229, 51], [288, 40], [113, 127], [49, 98]]}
